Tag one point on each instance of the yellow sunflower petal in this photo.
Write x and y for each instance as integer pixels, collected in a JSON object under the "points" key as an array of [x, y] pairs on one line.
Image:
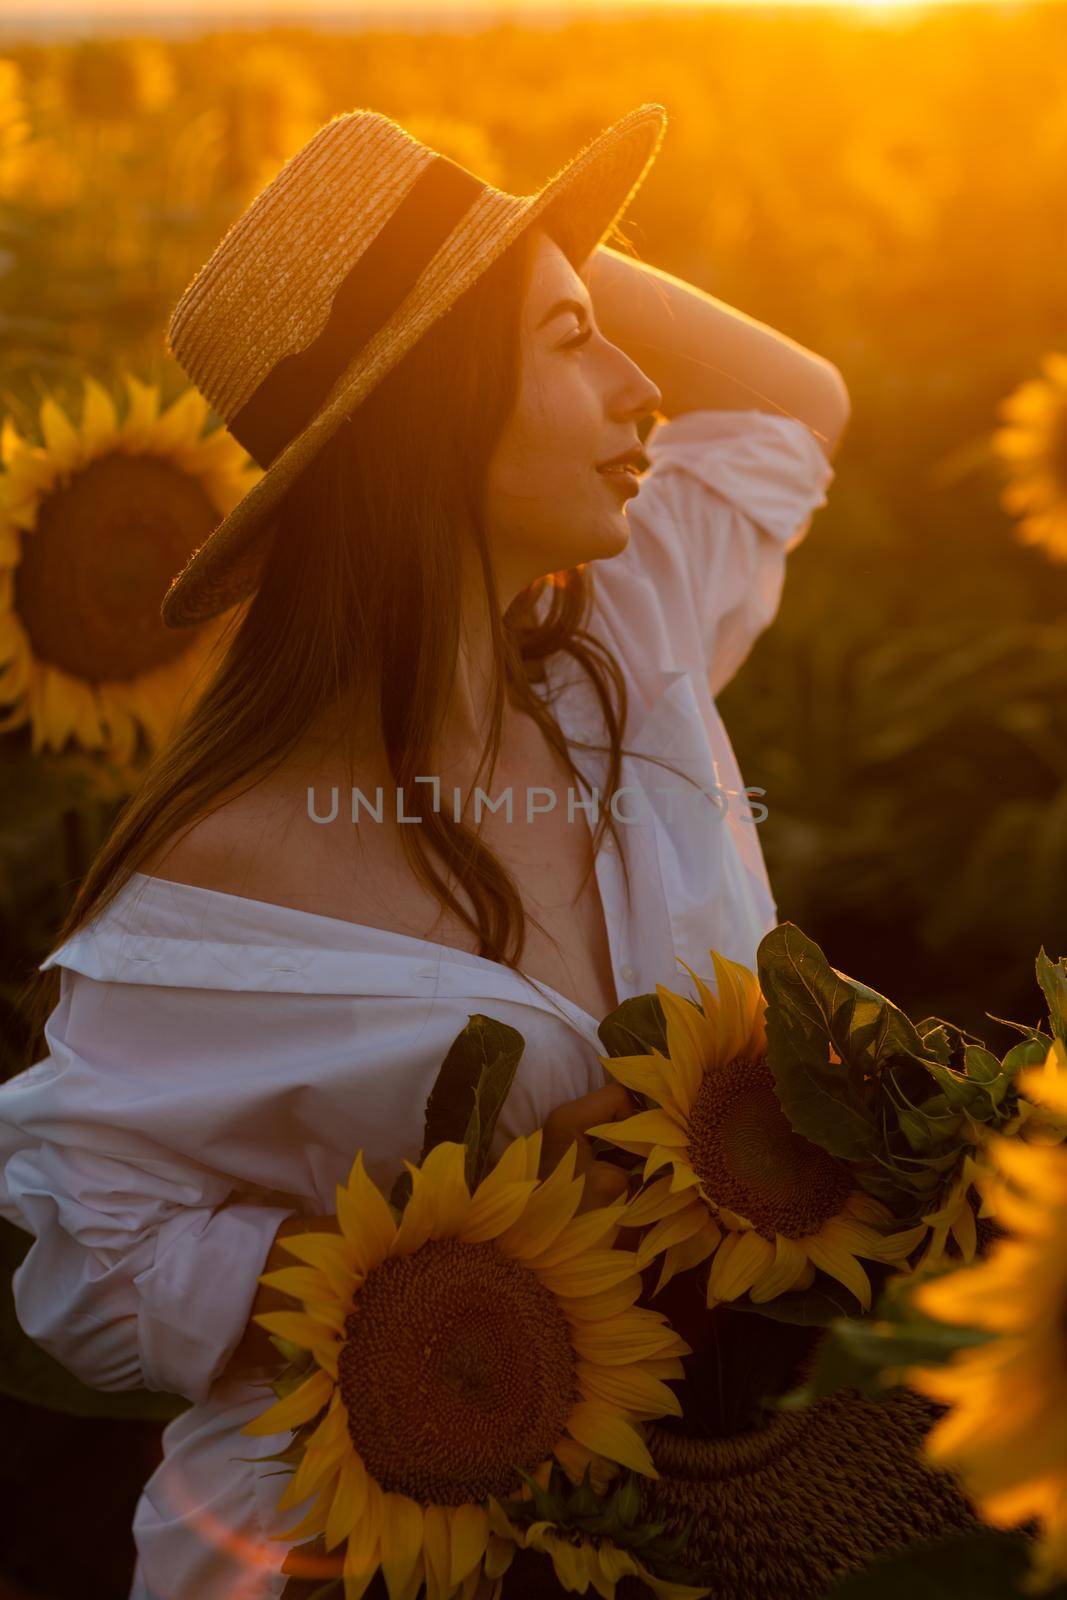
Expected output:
{"points": [[587, 1230], [682, 1177], [417, 1222], [313, 1521], [61, 437], [490, 1214], [294, 1409], [296, 1326], [330, 1254], [654, 1202], [639, 1133], [437, 1551], [738, 992], [349, 1498], [469, 1535], [605, 1303], [589, 1272], [840, 1264], [363, 1550], [548, 1211], [692, 1044], [659, 1156], [626, 1339], [671, 1230], [739, 1261], [320, 1464], [401, 1541], [690, 1253], [511, 1168], [603, 1430], [303, 1283], [444, 1174], [365, 1218], [784, 1272], [630, 1388], [99, 417], [649, 1075], [574, 1458], [868, 1209]]}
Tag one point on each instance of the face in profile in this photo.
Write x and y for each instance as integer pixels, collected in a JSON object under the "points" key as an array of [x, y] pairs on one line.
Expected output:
{"points": [[580, 400]]}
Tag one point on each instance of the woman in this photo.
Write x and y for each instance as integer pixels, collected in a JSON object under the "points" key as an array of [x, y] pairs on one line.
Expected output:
{"points": [[253, 985]]}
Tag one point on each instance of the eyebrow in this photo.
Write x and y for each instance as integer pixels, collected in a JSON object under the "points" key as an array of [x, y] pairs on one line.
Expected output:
{"points": [[561, 306]]}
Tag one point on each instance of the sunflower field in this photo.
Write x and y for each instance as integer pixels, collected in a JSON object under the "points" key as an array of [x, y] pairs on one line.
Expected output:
{"points": [[887, 189]]}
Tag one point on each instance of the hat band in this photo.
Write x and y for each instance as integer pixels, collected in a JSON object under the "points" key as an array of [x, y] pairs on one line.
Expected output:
{"points": [[295, 389]]}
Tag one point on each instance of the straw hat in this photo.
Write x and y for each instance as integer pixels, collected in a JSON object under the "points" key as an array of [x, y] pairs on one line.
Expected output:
{"points": [[361, 241]]}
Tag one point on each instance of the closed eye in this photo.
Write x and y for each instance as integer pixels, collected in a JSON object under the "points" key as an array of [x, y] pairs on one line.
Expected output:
{"points": [[573, 344]]}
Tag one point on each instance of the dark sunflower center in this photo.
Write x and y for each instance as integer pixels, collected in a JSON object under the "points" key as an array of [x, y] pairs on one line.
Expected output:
{"points": [[750, 1160], [95, 569], [456, 1368]]}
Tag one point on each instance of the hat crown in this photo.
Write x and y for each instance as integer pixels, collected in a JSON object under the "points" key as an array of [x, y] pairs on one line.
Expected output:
{"points": [[267, 289]]}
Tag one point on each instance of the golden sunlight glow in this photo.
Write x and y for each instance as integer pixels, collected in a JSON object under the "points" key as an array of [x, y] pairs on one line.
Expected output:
{"points": [[433, 11]]}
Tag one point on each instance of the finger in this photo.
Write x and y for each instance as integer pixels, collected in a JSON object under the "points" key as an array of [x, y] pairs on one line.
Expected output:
{"points": [[606, 1104], [603, 1184]]}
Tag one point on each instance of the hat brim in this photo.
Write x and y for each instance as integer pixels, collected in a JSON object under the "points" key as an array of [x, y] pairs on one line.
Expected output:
{"points": [[583, 202]]}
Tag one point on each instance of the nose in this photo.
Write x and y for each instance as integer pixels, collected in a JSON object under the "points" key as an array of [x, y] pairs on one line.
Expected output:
{"points": [[638, 396]]}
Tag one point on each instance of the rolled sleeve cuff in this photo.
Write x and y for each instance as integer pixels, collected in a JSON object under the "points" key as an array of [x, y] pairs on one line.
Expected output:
{"points": [[195, 1300], [771, 468]]}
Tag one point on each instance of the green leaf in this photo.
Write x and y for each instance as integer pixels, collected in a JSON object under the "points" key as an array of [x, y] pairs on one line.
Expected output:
{"points": [[811, 1006], [962, 1091], [29, 1374], [1052, 976], [820, 1306], [1034, 1034], [471, 1087], [1027, 1053], [636, 1027], [984, 1068], [857, 1352], [986, 1565], [935, 1037]]}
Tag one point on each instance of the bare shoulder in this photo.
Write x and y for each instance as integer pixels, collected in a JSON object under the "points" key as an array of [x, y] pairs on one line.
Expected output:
{"points": [[248, 844]]}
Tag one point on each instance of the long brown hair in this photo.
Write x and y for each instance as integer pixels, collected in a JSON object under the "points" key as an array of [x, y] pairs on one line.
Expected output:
{"points": [[360, 594]]}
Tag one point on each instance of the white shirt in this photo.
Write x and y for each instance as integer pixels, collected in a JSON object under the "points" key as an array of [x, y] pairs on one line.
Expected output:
{"points": [[215, 1062]]}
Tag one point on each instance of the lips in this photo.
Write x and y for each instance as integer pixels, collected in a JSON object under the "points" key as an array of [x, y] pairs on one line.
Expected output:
{"points": [[629, 460]]}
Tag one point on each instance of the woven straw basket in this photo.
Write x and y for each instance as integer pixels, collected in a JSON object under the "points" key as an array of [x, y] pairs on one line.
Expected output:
{"points": [[781, 1512]]}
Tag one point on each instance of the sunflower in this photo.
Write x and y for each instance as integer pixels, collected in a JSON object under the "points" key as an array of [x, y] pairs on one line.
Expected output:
{"points": [[581, 1563], [94, 523], [475, 1338], [1044, 1121], [1034, 449], [1005, 1433], [955, 1219], [770, 1204]]}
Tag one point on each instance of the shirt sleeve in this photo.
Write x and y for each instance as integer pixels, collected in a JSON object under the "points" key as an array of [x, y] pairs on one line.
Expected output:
{"points": [[727, 496], [144, 1266]]}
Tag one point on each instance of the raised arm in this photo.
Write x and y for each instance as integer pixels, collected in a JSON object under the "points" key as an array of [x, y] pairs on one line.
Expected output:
{"points": [[702, 354]]}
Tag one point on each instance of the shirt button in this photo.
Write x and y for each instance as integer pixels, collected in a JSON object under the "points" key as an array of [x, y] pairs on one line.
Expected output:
{"points": [[628, 973], [607, 843]]}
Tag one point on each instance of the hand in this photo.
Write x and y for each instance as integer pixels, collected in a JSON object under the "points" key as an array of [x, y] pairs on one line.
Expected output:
{"points": [[604, 1182]]}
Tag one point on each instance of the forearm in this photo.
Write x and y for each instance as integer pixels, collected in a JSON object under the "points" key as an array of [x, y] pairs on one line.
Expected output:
{"points": [[255, 1349], [703, 354]]}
